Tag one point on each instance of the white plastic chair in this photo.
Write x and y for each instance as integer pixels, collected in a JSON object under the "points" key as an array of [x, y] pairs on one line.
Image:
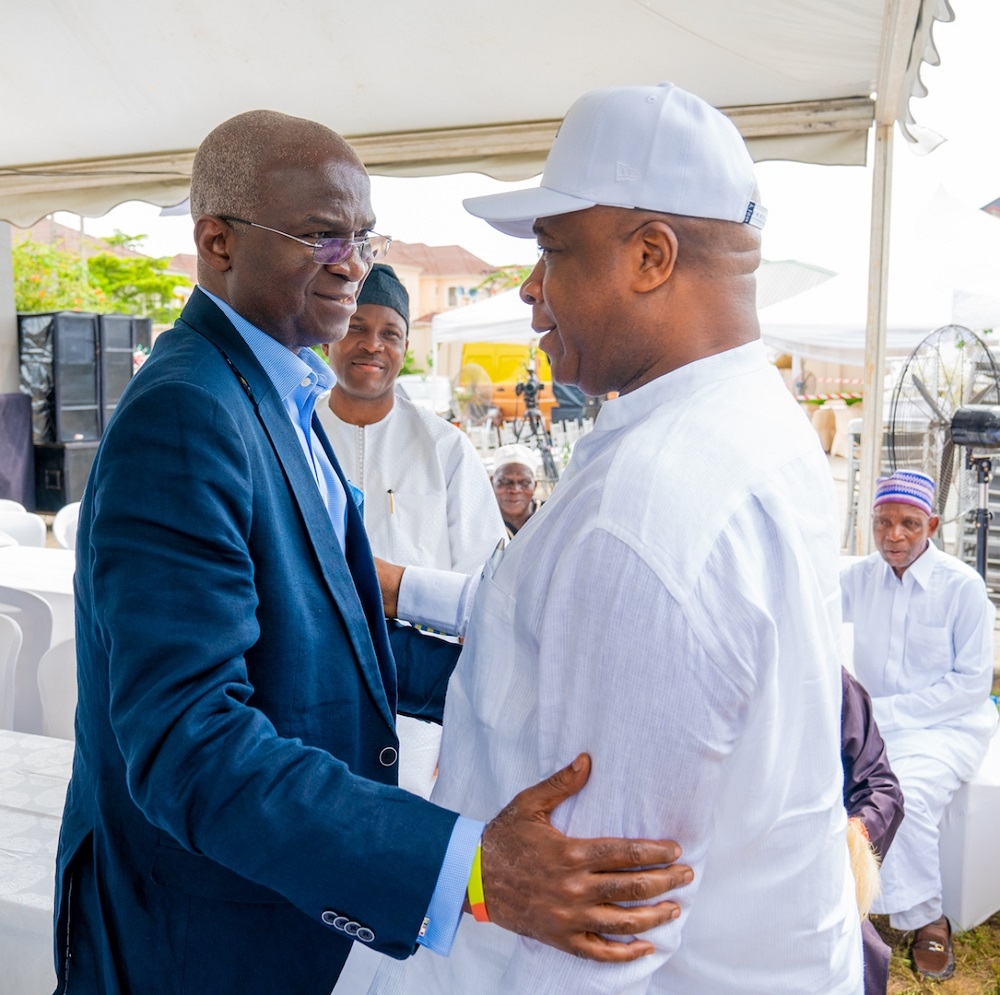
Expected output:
{"points": [[10, 646], [64, 525], [34, 615], [6, 504], [57, 689], [6, 540], [24, 526]]}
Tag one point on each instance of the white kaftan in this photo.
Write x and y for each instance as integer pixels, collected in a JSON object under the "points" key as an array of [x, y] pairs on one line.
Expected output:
{"points": [[923, 649], [428, 497], [673, 610]]}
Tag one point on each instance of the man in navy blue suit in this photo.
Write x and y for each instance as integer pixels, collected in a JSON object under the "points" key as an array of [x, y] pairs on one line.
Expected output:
{"points": [[232, 823]]}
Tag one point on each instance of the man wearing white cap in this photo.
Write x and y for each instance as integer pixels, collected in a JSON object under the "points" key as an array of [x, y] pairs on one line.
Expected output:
{"points": [[514, 470], [923, 649], [688, 553]]}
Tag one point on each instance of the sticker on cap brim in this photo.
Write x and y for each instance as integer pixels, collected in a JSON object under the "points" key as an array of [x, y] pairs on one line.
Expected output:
{"points": [[756, 215]]}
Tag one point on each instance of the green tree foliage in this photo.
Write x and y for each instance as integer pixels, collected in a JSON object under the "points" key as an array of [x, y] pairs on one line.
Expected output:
{"points": [[50, 279], [505, 277], [410, 364], [47, 278]]}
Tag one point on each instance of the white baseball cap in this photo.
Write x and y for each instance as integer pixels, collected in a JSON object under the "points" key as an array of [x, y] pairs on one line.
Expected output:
{"points": [[658, 148]]}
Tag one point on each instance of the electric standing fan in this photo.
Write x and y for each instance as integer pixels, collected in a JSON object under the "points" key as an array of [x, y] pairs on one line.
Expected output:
{"points": [[946, 399]]}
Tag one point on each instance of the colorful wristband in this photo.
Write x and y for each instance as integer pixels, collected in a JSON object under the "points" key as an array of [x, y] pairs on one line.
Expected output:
{"points": [[477, 899]]}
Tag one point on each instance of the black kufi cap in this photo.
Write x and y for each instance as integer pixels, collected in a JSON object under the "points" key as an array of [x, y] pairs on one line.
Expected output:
{"points": [[383, 287]]}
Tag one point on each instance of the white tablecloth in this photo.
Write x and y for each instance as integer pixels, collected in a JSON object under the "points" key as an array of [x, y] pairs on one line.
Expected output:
{"points": [[34, 772], [47, 572]]}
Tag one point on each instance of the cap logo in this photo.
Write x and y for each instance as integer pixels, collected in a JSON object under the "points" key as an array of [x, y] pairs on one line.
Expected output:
{"points": [[625, 173], [756, 216]]}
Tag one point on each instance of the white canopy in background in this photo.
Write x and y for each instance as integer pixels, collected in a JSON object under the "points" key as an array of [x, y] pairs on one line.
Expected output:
{"points": [[828, 322], [506, 318], [105, 100], [961, 287]]}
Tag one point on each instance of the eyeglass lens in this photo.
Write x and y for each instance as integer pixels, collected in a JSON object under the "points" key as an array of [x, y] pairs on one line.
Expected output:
{"points": [[330, 251]]}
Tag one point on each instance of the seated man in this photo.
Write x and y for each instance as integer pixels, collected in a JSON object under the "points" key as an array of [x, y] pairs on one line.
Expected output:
{"points": [[427, 497], [923, 649], [514, 470]]}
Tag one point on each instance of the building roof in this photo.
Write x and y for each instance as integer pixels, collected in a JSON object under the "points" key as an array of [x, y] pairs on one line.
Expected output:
{"points": [[437, 260], [49, 232], [187, 263]]}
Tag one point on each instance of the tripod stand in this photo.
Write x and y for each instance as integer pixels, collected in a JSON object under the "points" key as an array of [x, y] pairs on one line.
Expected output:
{"points": [[983, 466], [537, 435]]}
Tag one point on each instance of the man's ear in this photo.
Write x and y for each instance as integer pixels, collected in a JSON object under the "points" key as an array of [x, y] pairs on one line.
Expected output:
{"points": [[655, 245], [932, 526], [211, 236]]}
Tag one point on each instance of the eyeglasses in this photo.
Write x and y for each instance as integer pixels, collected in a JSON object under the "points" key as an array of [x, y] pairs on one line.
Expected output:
{"points": [[510, 483], [331, 251]]}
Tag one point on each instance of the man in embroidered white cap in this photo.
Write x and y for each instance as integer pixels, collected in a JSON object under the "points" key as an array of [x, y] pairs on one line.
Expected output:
{"points": [[689, 552], [923, 649]]}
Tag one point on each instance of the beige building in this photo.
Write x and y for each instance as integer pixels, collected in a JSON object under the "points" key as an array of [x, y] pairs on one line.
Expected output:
{"points": [[437, 278]]}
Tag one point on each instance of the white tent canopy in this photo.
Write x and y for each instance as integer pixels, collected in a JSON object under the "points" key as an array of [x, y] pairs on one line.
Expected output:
{"points": [[962, 287], [503, 318], [506, 318], [828, 322], [105, 101]]}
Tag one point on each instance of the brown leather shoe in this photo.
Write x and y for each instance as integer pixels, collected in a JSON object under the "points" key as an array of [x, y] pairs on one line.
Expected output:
{"points": [[932, 952]]}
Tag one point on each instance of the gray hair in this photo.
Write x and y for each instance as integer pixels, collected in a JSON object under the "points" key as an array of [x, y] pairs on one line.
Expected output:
{"points": [[229, 164]]}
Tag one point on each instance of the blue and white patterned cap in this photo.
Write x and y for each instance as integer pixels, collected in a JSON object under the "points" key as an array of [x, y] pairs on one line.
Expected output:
{"points": [[906, 487]]}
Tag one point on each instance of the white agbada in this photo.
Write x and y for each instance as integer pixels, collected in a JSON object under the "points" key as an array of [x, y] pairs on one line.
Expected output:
{"points": [[428, 497], [673, 610], [923, 649]]}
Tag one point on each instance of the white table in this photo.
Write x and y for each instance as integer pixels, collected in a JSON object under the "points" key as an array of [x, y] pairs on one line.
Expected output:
{"points": [[48, 573], [34, 772]]}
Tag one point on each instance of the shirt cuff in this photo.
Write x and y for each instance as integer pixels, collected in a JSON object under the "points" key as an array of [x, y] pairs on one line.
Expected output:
{"points": [[445, 911], [436, 599]]}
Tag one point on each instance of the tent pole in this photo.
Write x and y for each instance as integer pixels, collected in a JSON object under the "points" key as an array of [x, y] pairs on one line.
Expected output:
{"points": [[10, 365], [878, 292]]}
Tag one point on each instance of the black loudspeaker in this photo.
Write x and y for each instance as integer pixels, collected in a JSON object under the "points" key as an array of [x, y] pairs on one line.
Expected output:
{"points": [[119, 337], [60, 372], [17, 470], [61, 472]]}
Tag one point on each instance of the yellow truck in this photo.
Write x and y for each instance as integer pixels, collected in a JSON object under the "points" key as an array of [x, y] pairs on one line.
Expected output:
{"points": [[506, 365]]}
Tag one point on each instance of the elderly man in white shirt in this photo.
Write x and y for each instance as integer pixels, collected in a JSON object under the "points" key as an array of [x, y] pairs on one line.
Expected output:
{"points": [[923, 649], [673, 607]]}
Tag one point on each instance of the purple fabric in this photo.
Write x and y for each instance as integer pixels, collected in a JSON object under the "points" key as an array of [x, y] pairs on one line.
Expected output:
{"points": [[877, 955], [906, 487], [871, 794], [871, 791]]}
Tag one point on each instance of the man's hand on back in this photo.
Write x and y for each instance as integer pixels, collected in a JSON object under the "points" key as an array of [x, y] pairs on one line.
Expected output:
{"points": [[563, 891]]}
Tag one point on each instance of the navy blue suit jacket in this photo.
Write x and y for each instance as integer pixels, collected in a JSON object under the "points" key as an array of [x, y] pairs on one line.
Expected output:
{"points": [[232, 816]]}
